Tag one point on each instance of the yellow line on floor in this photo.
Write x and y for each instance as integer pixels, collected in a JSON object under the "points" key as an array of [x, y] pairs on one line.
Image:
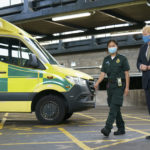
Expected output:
{"points": [[35, 143], [56, 142], [21, 128], [75, 140], [138, 131], [104, 125], [49, 126], [122, 141], [45, 133], [116, 143], [128, 116], [3, 121], [98, 120], [87, 116], [54, 132]]}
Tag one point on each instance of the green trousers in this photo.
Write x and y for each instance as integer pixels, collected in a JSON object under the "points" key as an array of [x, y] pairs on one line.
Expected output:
{"points": [[115, 115]]}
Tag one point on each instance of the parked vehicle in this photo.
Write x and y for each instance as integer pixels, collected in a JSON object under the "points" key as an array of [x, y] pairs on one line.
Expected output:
{"points": [[31, 80]]}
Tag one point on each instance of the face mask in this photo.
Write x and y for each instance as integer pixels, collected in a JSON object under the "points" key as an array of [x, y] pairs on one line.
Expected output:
{"points": [[112, 50], [146, 39]]}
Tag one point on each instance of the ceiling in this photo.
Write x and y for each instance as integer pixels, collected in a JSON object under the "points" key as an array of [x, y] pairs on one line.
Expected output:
{"points": [[135, 14]]}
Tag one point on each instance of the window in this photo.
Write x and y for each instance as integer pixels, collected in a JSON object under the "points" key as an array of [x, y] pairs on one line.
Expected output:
{"points": [[4, 46], [41, 50], [15, 52], [25, 55]]}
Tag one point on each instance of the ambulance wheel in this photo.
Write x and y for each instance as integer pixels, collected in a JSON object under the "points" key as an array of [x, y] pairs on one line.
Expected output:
{"points": [[68, 115], [50, 110]]}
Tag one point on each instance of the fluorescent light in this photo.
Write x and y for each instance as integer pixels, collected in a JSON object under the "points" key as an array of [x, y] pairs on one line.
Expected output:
{"points": [[122, 25], [112, 26], [71, 16], [49, 42], [69, 32], [72, 32], [126, 33], [147, 22], [66, 40], [100, 28], [38, 37], [102, 35], [104, 27], [56, 34], [77, 39]]}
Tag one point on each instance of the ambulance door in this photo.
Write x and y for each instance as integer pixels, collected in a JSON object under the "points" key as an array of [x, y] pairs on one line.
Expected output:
{"points": [[3, 66], [20, 79]]}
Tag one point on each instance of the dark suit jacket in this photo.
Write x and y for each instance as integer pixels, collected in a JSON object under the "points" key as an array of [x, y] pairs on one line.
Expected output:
{"points": [[143, 60]]}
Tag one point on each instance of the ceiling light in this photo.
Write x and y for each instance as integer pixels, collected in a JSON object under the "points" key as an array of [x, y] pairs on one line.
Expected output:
{"points": [[126, 33], [147, 22], [71, 16], [67, 33], [112, 26]]}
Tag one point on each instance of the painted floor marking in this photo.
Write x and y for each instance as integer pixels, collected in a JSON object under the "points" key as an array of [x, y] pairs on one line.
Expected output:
{"points": [[3, 121], [138, 118], [122, 141], [75, 140]]}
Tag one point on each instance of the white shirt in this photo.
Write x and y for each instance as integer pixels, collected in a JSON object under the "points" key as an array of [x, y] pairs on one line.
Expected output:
{"points": [[112, 57]]}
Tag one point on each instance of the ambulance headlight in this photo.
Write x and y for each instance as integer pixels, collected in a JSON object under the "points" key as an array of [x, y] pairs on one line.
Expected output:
{"points": [[76, 80]]}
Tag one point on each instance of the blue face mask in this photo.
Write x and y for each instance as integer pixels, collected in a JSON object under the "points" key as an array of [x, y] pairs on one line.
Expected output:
{"points": [[146, 39], [112, 50]]}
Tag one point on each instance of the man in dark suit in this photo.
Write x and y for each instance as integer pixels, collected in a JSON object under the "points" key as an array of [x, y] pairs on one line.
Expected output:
{"points": [[143, 64]]}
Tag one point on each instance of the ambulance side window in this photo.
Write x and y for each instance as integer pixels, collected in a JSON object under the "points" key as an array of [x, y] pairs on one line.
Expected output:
{"points": [[4, 46], [25, 55], [9, 50], [13, 51]]}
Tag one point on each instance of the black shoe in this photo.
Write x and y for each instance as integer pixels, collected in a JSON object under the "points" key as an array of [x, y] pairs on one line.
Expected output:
{"points": [[148, 137], [119, 132], [105, 131]]}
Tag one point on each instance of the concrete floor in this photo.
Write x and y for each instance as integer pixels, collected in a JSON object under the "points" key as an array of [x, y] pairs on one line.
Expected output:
{"points": [[82, 131]]}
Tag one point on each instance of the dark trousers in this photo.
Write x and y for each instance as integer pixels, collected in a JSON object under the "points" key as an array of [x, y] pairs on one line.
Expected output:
{"points": [[147, 92], [115, 115]]}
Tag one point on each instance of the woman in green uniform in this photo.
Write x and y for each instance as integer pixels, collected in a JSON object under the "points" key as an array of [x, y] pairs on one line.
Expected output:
{"points": [[117, 69]]}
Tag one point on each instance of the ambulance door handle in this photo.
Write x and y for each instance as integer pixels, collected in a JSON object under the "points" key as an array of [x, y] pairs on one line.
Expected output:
{"points": [[2, 72]]}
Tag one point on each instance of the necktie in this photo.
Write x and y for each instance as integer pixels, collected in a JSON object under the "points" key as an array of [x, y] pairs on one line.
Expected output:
{"points": [[148, 53]]}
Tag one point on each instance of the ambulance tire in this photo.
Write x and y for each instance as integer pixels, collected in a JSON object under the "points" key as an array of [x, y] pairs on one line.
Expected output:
{"points": [[50, 110], [68, 115]]}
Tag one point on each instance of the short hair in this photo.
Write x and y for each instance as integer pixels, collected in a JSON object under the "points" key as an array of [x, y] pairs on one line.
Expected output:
{"points": [[114, 41], [146, 29]]}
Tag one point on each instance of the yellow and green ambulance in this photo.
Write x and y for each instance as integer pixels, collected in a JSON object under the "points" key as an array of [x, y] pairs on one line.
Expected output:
{"points": [[31, 80]]}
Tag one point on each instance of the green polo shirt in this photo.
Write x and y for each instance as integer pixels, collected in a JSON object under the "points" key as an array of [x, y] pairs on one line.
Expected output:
{"points": [[115, 68]]}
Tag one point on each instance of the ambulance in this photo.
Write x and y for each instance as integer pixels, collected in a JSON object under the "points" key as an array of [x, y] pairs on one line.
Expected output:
{"points": [[31, 80]]}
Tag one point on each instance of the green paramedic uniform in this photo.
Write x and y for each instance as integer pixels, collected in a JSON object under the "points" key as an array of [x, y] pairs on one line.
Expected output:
{"points": [[115, 70]]}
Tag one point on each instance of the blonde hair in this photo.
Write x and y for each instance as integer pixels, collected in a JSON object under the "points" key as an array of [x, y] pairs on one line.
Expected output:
{"points": [[146, 29]]}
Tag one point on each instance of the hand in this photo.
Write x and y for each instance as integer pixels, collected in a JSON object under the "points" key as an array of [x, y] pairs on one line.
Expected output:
{"points": [[126, 91], [143, 67], [148, 67], [96, 86]]}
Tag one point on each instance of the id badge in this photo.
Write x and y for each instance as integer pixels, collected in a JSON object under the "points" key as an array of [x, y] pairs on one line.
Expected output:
{"points": [[119, 81]]}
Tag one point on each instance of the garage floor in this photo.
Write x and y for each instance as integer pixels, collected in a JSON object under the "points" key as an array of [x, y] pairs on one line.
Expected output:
{"points": [[82, 131]]}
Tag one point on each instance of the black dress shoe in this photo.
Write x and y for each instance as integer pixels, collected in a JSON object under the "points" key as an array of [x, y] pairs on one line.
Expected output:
{"points": [[119, 132], [148, 137], [105, 132]]}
